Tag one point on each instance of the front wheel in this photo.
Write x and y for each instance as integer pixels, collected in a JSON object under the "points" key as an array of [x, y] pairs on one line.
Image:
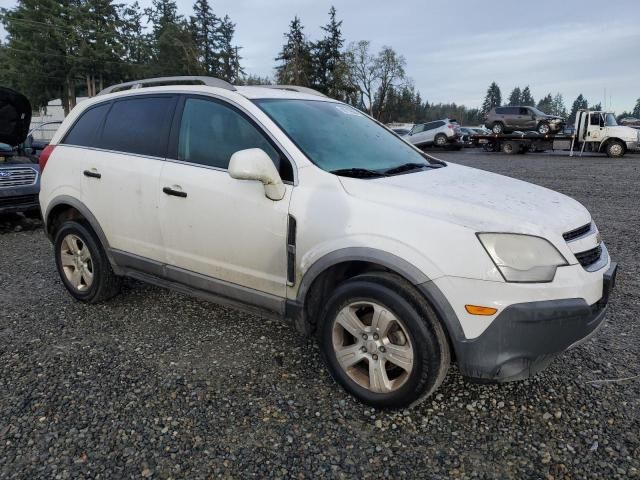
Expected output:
{"points": [[382, 342], [615, 149], [543, 128]]}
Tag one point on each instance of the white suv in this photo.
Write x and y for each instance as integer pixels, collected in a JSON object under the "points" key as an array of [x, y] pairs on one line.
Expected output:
{"points": [[439, 133], [284, 201]]}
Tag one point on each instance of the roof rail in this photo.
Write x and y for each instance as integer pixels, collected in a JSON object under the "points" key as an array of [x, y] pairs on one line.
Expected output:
{"points": [[158, 81], [294, 88]]}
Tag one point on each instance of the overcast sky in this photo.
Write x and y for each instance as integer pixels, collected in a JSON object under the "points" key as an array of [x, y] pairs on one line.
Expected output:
{"points": [[454, 49]]}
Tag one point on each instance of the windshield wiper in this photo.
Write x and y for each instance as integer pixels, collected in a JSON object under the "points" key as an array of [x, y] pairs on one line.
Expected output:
{"points": [[358, 173], [406, 167]]}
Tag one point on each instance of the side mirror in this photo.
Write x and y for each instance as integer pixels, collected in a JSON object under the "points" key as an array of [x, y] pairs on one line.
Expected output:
{"points": [[255, 164]]}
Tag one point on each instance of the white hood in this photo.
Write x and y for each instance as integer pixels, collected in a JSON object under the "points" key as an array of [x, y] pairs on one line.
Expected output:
{"points": [[474, 198]]}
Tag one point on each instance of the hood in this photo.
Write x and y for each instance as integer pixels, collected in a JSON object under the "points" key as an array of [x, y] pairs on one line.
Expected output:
{"points": [[554, 117], [475, 199], [15, 117]]}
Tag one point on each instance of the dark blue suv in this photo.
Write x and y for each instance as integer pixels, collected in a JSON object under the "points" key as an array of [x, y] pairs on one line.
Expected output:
{"points": [[19, 172]]}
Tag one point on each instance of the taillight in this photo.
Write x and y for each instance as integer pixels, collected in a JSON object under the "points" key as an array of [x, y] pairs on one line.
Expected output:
{"points": [[450, 126], [44, 157]]}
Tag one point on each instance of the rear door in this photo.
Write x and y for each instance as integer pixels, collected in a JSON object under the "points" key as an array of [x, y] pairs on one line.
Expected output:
{"points": [[121, 170]]}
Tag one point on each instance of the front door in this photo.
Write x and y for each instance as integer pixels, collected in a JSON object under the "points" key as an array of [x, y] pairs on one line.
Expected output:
{"points": [[219, 233]]}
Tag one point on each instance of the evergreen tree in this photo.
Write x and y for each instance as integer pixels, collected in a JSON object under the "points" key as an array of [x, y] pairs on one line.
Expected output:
{"points": [[328, 63], [42, 50], [515, 97], [579, 103], [136, 43], [205, 25], [230, 68], [546, 104], [162, 14], [492, 99], [597, 107], [636, 109], [295, 57], [558, 107], [527, 98]]}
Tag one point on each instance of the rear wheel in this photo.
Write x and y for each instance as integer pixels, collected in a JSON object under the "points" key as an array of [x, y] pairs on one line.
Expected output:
{"points": [[497, 128], [83, 265], [440, 140], [615, 149], [510, 148], [382, 342]]}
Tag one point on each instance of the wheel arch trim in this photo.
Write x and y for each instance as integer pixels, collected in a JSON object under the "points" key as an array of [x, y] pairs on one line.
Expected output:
{"points": [[86, 213], [359, 254]]}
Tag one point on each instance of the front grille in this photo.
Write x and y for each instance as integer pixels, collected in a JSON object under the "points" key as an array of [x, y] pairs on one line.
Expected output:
{"points": [[578, 232], [17, 177], [589, 257]]}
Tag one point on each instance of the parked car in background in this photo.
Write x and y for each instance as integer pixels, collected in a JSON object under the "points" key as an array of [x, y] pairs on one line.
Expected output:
{"points": [[19, 172], [439, 133], [465, 136], [509, 119], [401, 130], [40, 136]]}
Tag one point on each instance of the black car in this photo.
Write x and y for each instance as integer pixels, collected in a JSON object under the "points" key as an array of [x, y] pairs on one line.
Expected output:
{"points": [[19, 172]]}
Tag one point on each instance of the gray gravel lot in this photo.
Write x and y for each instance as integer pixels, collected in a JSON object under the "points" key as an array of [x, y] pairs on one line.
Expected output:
{"points": [[156, 384]]}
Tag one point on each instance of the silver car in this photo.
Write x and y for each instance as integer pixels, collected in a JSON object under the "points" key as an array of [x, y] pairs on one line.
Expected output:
{"points": [[440, 133]]}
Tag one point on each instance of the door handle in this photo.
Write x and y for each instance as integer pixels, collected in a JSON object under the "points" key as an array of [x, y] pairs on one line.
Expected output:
{"points": [[175, 193], [93, 173]]}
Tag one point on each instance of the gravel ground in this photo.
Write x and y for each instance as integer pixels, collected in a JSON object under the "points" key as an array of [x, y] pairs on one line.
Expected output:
{"points": [[156, 384]]}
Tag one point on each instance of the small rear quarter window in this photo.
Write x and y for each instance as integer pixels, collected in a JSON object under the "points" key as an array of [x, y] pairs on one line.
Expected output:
{"points": [[86, 129]]}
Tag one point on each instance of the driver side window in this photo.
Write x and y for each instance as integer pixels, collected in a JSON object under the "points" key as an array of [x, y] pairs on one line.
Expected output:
{"points": [[211, 132]]}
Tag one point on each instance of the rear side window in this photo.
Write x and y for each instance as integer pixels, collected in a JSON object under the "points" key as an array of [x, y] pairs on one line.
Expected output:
{"points": [[139, 125], [86, 129]]}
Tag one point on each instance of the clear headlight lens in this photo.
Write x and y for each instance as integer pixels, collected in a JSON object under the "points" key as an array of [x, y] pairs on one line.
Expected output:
{"points": [[522, 258]]}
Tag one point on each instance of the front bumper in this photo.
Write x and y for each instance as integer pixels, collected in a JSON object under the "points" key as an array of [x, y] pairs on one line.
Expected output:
{"points": [[633, 146], [525, 337]]}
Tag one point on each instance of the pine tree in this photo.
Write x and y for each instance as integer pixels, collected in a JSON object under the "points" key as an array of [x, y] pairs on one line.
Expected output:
{"points": [[204, 25], [546, 104], [295, 57], [230, 69], [162, 14], [492, 99], [527, 98], [579, 103], [558, 107], [136, 43], [328, 63], [515, 97], [636, 109]]}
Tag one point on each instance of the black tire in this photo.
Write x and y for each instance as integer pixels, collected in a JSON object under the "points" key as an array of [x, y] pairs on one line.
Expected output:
{"points": [[615, 149], [543, 128], [440, 140], [510, 148], [497, 128], [431, 356], [106, 283]]}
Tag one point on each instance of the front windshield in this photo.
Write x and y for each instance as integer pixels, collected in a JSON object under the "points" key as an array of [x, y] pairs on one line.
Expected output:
{"points": [[611, 120], [536, 111], [337, 137]]}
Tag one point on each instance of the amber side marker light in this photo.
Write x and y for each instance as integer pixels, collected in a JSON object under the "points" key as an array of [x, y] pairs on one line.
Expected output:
{"points": [[477, 310]]}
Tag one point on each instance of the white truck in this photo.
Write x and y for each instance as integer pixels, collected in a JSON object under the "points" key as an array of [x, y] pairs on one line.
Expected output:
{"points": [[594, 131]]}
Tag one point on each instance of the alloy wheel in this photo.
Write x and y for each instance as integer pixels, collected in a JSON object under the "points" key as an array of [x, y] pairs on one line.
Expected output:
{"points": [[372, 346], [76, 262]]}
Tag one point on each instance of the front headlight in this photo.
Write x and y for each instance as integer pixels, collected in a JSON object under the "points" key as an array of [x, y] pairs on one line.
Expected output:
{"points": [[522, 258]]}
